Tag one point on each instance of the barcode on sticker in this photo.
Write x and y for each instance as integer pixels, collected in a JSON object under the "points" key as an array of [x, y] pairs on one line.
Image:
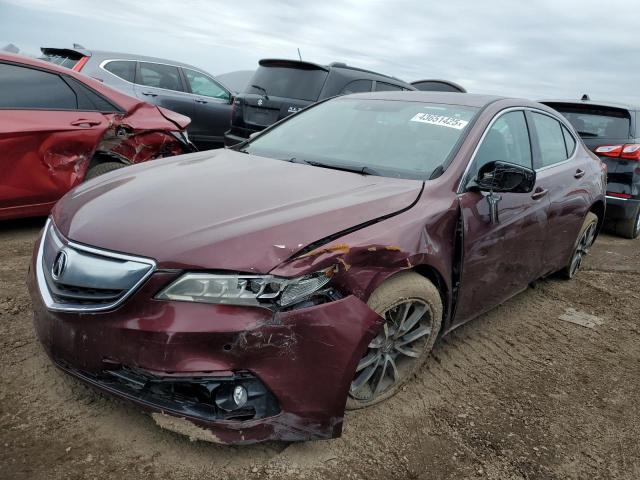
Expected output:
{"points": [[441, 120]]}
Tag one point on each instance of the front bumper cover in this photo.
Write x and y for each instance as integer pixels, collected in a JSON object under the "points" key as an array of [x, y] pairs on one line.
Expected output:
{"points": [[306, 358]]}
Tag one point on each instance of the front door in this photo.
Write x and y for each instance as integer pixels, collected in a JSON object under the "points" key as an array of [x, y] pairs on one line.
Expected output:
{"points": [[500, 259], [212, 113]]}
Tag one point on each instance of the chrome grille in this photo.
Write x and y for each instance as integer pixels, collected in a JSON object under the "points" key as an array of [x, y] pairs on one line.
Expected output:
{"points": [[73, 277]]}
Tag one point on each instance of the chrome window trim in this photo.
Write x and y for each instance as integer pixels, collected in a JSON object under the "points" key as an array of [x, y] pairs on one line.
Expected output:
{"points": [[52, 305], [463, 178], [104, 62]]}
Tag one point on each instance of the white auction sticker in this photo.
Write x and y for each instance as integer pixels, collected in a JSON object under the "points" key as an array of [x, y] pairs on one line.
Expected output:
{"points": [[440, 120]]}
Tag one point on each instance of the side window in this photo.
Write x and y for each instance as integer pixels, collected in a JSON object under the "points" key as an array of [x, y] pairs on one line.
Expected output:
{"points": [[569, 141], [551, 139], [160, 76], [387, 87], [203, 85], [88, 100], [124, 69], [28, 88], [507, 140], [358, 86]]}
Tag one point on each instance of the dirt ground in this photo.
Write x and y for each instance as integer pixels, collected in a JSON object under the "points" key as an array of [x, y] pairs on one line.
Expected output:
{"points": [[515, 394]]}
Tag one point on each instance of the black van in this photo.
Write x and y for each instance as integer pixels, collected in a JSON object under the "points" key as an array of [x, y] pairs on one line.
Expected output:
{"points": [[279, 88]]}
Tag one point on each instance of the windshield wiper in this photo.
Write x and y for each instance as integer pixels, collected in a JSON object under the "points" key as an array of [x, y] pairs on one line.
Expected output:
{"points": [[258, 87], [363, 170]]}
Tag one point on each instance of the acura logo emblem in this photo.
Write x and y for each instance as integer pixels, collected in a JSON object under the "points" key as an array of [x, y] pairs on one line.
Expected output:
{"points": [[59, 265]]}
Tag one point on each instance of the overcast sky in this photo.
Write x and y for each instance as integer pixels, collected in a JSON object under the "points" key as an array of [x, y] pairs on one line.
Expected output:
{"points": [[534, 49]]}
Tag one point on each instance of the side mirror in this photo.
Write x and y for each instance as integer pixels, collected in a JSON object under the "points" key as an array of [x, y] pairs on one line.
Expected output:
{"points": [[501, 176], [496, 177], [231, 99]]}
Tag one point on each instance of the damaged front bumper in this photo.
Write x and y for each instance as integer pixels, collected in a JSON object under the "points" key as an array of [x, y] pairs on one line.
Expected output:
{"points": [[183, 359]]}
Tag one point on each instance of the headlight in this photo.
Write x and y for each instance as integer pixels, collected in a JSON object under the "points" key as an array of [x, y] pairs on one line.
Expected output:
{"points": [[239, 289]]}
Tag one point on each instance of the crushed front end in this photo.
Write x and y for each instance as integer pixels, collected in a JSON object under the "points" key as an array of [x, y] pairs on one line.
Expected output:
{"points": [[239, 373]]}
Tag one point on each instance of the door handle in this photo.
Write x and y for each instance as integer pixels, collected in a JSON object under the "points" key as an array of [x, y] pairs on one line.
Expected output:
{"points": [[150, 94], [83, 122], [199, 100], [539, 193], [579, 173]]}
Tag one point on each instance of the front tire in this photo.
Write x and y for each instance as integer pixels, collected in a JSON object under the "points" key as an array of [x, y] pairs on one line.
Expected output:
{"points": [[412, 309], [102, 168], [582, 245]]}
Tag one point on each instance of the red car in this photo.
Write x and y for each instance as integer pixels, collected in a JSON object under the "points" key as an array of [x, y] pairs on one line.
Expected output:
{"points": [[58, 128], [256, 292]]}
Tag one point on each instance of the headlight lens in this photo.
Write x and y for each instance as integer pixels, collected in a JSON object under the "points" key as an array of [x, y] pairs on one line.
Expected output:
{"points": [[252, 290]]}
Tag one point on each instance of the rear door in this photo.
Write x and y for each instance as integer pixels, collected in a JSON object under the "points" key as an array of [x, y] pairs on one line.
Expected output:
{"points": [[46, 142], [500, 259], [562, 177], [162, 84], [212, 113]]}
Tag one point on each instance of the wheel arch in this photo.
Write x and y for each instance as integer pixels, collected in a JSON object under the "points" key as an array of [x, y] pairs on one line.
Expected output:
{"points": [[432, 274], [598, 208]]}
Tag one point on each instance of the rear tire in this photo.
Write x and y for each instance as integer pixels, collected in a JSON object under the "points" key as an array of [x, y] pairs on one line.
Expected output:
{"points": [[582, 245], [412, 308], [629, 228], [102, 168]]}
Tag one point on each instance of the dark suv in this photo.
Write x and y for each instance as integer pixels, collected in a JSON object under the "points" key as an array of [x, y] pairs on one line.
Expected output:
{"points": [[279, 88], [611, 131], [174, 85]]}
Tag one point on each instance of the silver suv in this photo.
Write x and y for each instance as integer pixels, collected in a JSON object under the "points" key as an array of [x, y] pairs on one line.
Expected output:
{"points": [[177, 86]]}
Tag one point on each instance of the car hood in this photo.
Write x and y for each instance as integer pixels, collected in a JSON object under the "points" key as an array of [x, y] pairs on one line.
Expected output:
{"points": [[224, 209]]}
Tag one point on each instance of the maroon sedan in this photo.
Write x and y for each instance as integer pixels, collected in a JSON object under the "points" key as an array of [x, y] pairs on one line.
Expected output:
{"points": [[255, 293], [58, 128]]}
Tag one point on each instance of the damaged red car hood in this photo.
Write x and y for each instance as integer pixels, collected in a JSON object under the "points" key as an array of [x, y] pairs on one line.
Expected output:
{"points": [[224, 209]]}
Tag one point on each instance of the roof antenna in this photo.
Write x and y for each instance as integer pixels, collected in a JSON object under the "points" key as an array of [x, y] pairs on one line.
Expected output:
{"points": [[77, 45], [300, 56], [585, 98]]}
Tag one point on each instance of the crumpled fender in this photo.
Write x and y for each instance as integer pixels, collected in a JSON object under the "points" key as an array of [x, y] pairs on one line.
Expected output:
{"points": [[181, 121]]}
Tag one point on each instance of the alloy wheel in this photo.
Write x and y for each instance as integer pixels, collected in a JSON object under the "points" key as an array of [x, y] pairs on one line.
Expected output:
{"points": [[585, 242], [390, 355]]}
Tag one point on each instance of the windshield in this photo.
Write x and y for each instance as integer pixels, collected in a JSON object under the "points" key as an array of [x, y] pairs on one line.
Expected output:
{"points": [[594, 122], [297, 83], [390, 138]]}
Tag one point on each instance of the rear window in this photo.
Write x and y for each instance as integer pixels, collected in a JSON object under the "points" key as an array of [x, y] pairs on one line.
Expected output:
{"points": [[296, 83], [64, 59], [596, 122]]}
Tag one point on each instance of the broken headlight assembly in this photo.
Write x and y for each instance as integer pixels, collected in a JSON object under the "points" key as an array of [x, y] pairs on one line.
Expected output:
{"points": [[250, 290]]}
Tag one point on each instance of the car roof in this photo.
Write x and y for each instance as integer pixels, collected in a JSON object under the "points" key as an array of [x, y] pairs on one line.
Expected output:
{"points": [[593, 103], [451, 98], [123, 101], [275, 62], [109, 55]]}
